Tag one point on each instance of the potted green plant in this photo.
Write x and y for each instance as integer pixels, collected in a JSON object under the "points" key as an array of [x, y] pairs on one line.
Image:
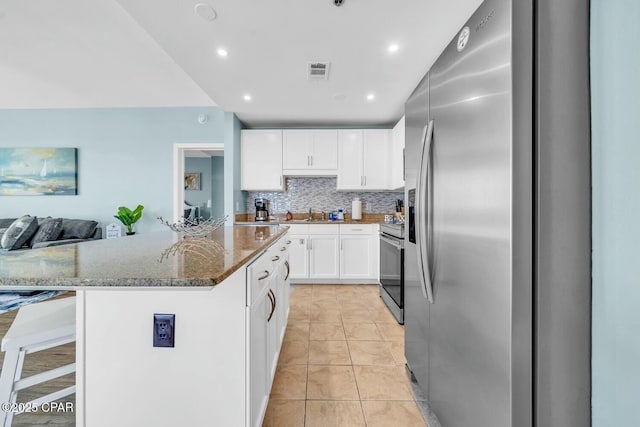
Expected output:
{"points": [[129, 217]]}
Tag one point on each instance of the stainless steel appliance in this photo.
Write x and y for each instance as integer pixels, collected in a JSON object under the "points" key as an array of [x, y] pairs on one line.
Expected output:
{"points": [[392, 268], [262, 209], [497, 259]]}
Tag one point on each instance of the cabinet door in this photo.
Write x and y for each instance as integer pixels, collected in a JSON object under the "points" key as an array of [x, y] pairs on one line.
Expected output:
{"points": [[350, 172], [324, 259], [298, 257], [324, 150], [296, 149], [259, 351], [273, 332], [262, 160], [375, 160], [357, 257]]}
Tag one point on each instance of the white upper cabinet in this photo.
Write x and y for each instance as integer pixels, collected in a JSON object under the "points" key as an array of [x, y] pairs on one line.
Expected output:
{"points": [[363, 161], [396, 156], [310, 152], [262, 160], [350, 165], [375, 159]]}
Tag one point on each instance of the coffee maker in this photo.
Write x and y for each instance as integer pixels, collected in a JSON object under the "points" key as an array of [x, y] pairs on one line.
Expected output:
{"points": [[262, 209]]}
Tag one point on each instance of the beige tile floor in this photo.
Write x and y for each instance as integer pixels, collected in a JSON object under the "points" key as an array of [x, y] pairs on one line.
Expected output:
{"points": [[342, 363]]}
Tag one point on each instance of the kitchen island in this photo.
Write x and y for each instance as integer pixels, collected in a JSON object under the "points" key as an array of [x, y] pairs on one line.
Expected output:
{"points": [[223, 291]]}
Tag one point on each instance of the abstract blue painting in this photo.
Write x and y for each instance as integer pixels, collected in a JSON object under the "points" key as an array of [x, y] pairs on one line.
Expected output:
{"points": [[38, 172]]}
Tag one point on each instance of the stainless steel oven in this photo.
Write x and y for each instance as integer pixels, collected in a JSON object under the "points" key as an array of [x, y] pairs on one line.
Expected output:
{"points": [[392, 268]]}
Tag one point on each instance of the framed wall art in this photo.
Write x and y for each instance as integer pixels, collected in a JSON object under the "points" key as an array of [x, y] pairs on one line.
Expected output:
{"points": [[38, 171], [192, 181]]}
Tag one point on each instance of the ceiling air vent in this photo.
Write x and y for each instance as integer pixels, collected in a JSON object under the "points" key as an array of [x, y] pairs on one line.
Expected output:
{"points": [[318, 71]]}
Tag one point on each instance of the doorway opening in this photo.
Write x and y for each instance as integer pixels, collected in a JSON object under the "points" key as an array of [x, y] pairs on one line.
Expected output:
{"points": [[198, 181]]}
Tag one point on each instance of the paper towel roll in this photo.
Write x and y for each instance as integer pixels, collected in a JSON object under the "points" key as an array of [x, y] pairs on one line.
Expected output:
{"points": [[356, 209]]}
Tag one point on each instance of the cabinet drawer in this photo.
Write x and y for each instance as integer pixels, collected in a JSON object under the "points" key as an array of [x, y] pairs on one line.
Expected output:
{"points": [[357, 229], [323, 229], [258, 276], [298, 228], [278, 250]]}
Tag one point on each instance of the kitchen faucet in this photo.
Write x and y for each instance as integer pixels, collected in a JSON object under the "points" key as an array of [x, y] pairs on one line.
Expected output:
{"points": [[310, 216]]}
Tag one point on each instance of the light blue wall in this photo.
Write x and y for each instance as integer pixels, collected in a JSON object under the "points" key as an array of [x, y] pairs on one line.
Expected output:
{"points": [[125, 156], [615, 81]]}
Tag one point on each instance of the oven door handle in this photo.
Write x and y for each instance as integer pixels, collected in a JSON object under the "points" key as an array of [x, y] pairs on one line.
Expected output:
{"points": [[392, 242]]}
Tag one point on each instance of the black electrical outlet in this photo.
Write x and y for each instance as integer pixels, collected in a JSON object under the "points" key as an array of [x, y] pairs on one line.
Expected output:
{"points": [[164, 330]]}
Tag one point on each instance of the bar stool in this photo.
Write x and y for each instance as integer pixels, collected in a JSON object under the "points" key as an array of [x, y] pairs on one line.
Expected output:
{"points": [[36, 327]]}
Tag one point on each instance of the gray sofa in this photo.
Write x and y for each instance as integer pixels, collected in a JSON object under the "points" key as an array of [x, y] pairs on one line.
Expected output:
{"points": [[65, 231]]}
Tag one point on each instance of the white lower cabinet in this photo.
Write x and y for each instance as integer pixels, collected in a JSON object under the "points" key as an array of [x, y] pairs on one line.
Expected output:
{"points": [[268, 280], [359, 249], [324, 258], [356, 257], [331, 252], [259, 356], [314, 251], [299, 256]]}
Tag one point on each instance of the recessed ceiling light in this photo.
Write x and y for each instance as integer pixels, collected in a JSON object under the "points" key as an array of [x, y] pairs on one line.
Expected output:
{"points": [[247, 97], [371, 97], [393, 48], [223, 53]]}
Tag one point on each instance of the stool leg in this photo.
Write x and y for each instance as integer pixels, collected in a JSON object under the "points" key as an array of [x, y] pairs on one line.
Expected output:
{"points": [[7, 377]]}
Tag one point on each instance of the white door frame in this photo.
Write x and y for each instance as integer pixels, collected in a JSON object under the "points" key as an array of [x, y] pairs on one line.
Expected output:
{"points": [[178, 171]]}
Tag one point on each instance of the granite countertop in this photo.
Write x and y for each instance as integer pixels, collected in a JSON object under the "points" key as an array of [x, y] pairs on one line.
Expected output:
{"points": [[248, 219], [162, 258]]}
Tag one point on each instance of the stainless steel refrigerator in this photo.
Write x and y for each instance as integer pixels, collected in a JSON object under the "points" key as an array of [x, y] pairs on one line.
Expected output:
{"points": [[497, 260]]}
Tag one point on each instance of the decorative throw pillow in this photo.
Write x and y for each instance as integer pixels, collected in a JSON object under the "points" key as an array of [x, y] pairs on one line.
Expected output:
{"points": [[19, 233], [78, 228], [49, 230]]}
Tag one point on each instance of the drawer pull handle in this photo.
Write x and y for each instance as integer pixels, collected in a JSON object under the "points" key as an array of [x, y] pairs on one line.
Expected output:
{"points": [[275, 258], [271, 301], [273, 306], [266, 274], [282, 249], [286, 263], [288, 242]]}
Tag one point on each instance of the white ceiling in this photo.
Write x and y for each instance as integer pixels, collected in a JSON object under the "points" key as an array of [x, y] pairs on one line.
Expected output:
{"points": [[148, 53]]}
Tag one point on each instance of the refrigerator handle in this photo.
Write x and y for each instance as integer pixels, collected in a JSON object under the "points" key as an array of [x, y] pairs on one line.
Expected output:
{"points": [[421, 211]]}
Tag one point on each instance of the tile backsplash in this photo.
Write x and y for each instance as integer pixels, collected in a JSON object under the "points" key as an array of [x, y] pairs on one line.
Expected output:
{"points": [[320, 194]]}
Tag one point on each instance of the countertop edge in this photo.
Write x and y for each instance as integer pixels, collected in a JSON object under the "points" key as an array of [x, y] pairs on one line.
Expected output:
{"points": [[8, 284]]}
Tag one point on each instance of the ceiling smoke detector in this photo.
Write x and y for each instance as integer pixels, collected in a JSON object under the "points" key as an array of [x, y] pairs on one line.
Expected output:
{"points": [[205, 11], [318, 70]]}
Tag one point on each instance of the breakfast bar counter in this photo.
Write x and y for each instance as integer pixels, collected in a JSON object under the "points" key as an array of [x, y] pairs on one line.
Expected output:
{"points": [[226, 296], [155, 259]]}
